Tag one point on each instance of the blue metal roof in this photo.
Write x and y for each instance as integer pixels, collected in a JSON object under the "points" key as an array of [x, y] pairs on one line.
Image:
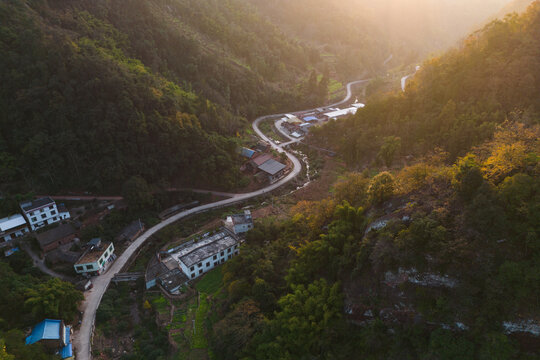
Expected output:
{"points": [[247, 153], [67, 351], [310, 118], [47, 329]]}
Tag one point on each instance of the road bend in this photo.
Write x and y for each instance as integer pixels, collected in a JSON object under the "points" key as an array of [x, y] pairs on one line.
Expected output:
{"points": [[82, 338]]}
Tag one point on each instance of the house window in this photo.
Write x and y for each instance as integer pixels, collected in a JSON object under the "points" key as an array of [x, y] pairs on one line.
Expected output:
{"points": [[199, 264], [235, 247], [101, 262], [34, 219], [216, 263], [192, 268], [208, 264], [53, 212], [89, 267], [41, 210], [192, 275], [79, 268], [200, 271], [55, 218], [50, 207], [222, 253], [43, 216], [215, 257], [229, 250]]}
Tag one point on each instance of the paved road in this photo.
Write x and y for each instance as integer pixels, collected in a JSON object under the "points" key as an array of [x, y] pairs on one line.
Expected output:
{"points": [[83, 337], [405, 78]]}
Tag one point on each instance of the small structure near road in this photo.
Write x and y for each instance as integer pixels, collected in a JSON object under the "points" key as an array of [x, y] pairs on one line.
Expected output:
{"points": [[96, 258], [54, 335], [273, 169], [53, 238], [131, 232], [239, 223]]}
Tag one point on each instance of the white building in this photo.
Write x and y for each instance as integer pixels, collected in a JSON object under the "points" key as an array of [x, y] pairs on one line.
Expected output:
{"points": [[239, 223], [207, 253], [42, 212], [12, 227], [95, 260], [339, 113]]}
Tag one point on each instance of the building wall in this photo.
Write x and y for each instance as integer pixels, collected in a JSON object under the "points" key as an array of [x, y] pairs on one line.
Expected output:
{"points": [[15, 234], [57, 243], [242, 228], [42, 217], [209, 263], [96, 266]]}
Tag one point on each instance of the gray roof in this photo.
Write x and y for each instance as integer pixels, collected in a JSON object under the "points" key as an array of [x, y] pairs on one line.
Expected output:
{"points": [[172, 279], [58, 232], [155, 271], [206, 248], [132, 229], [36, 204], [272, 167]]}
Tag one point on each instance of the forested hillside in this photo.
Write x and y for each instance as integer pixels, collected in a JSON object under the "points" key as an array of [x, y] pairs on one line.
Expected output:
{"points": [[455, 102], [94, 92], [437, 259]]}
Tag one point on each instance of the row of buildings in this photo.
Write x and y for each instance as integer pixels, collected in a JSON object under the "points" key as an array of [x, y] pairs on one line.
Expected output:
{"points": [[33, 216], [176, 266], [298, 124], [262, 164]]}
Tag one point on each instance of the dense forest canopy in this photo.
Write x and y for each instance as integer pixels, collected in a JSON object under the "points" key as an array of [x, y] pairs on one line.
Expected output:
{"points": [[95, 92], [434, 260]]}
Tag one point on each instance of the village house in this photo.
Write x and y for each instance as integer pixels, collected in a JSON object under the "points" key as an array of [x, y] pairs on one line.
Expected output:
{"points": [[258, 160], [207, 253], [239, 223], [96, 258], [53, 238], [12, 227], [54, 335], [42, 212], [132, 231], [273, 169]]}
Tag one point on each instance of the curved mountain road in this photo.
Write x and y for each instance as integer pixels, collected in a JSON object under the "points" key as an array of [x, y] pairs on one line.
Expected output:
{"points": [[82, 339]]}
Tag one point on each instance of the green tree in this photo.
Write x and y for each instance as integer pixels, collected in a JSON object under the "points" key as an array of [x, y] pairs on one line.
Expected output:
{"points": [[381, 187], [137, 193], [467, 177], [390, 147], [303, 326], [53, 299]]}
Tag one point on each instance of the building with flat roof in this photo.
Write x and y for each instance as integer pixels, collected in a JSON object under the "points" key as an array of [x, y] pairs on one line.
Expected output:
{"points": [[210, 251], [340, 113], [53, 238], [95, 260], [12, 227], [239, 223], [273, 169], [42, 212]]}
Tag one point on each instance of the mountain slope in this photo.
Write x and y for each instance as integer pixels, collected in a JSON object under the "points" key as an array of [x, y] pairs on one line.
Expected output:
{"points": [[455, 101], [97, 91]]}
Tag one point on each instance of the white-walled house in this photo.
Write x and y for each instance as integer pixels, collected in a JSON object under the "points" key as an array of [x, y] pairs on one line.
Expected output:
{"points": [[12, 227], [96, 259], [209, 252], [239, 223], [42, 212]]}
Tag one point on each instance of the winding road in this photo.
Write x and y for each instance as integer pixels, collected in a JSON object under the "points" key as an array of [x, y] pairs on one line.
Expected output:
{"points": [[82, 339]]}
